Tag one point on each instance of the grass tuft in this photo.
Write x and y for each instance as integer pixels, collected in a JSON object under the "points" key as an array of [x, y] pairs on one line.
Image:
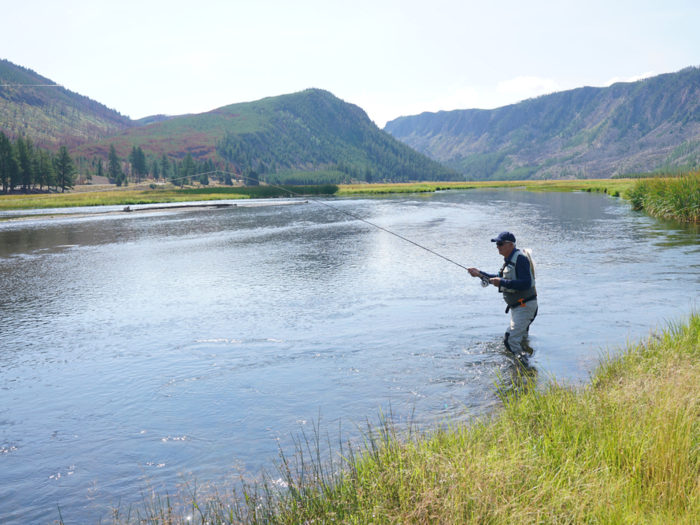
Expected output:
{"points": [[676, 197]]}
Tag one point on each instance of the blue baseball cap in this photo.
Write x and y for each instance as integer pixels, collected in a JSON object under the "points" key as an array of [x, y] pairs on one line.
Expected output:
{"points": [[504, 237]]}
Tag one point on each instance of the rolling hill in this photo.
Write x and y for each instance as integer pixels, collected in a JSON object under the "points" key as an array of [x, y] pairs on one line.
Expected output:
{"points": [[648, 125], [51, 116], [287, 138]]}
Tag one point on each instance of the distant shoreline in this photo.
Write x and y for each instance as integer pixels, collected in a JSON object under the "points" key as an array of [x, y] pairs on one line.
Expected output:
{"points": [[84, 196], [150, 209]]}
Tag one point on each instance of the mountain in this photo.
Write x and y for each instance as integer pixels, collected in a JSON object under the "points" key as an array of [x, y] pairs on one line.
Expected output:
{"points": [[309, 131], [648, 125], [51, 116]]}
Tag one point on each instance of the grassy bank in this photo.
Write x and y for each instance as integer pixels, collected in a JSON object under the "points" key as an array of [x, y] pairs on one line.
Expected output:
{"points": [[624, 449], [610, 186], [676, 197], [109, 197], [86, 196]]}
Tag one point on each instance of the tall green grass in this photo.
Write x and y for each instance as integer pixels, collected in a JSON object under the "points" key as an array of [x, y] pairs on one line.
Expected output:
{"points": [[675, 197], [624, 449]]}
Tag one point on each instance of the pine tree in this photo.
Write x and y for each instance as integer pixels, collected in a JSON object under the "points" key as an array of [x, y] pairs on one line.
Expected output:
{"points": [[139, 166], [164, 167], [44, 173], [154, 169], [9, 167], [65, 169], [49, 172], [187, 169], [114, 167], [25, 156], [251, 178]]}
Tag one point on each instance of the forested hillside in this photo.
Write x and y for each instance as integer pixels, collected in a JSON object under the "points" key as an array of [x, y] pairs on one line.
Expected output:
{"points": [[649, 125], [301, 138], [52, 116]]}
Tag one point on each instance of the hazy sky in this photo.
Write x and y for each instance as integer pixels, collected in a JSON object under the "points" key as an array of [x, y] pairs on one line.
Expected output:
{"points": [[391, 58]]}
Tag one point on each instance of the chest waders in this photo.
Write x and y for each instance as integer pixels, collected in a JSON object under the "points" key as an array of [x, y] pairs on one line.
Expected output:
{"points": [[522, 313]]}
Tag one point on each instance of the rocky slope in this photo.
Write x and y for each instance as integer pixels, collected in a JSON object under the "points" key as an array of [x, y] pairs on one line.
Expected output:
{"points": [[643, 126]]}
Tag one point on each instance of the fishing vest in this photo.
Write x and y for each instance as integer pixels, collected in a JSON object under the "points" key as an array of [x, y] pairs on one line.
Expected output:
{"points": [[514, 297]]}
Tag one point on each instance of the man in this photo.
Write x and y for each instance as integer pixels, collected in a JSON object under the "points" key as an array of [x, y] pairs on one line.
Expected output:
{"points": [[516, 280]]}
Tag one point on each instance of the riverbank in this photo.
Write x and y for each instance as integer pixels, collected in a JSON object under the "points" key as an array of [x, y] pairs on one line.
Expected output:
{"points": [[623, 449], [111, 196], [613, 187], [144, 194]]}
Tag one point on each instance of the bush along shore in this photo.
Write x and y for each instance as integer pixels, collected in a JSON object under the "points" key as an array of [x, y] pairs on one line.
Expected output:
{"points": [[676, 197], [623, 449]]}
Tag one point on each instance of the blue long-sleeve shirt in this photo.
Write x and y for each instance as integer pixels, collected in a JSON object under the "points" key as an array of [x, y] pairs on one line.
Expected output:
{"points": [[522, 270]]}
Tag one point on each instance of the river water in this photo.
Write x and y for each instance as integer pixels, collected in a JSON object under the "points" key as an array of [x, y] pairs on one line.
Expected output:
{"points": [[187, 342]]}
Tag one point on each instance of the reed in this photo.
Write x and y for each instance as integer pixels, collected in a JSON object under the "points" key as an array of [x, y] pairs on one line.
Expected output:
{"points": [[676, 197], [623, 449]]}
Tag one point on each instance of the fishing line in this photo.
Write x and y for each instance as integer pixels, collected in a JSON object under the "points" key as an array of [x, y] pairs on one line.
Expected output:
{"points": [[317, 201], [31, 85]]}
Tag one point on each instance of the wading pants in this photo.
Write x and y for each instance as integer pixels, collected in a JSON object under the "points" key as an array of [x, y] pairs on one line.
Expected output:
{"points": [[520, 319]]}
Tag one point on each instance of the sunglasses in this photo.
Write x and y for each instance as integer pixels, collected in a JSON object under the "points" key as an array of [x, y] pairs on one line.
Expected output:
{"points": [[499, 243]]}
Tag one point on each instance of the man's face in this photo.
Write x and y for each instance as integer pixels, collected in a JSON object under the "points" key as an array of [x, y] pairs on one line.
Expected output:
{"points": [[504, 248]]}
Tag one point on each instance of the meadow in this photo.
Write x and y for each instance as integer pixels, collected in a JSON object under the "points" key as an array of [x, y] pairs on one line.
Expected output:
{"points": [[612, 187], [146, 195]]}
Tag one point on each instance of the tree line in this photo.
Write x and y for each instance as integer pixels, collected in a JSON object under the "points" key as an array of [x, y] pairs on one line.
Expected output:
{"points": [[140, 165], [24, 167]]}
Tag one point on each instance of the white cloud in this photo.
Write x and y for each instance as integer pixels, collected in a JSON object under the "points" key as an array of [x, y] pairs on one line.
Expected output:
{"points": [[629, 79], [527, 86]]}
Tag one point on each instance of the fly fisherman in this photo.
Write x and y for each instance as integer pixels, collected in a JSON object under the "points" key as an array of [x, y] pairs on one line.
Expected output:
{"points": [[516, 280]]}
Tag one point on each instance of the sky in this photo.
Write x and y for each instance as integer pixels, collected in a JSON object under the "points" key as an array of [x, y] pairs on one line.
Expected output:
{"points": [[391, 58]]}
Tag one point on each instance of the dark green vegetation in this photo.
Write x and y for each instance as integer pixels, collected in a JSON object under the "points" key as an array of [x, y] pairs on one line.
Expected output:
{"points": [[52, 116], [644, 126], [676, 197], [259, 192], [623, 449], [311, 137], [26, 168]]}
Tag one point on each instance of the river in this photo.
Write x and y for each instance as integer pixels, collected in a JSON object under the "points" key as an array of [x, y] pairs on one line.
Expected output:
{"points": [[193, 342]]}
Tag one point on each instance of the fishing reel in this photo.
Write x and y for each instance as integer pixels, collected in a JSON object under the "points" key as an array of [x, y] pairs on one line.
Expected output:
{"points": [[485, 282]]}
